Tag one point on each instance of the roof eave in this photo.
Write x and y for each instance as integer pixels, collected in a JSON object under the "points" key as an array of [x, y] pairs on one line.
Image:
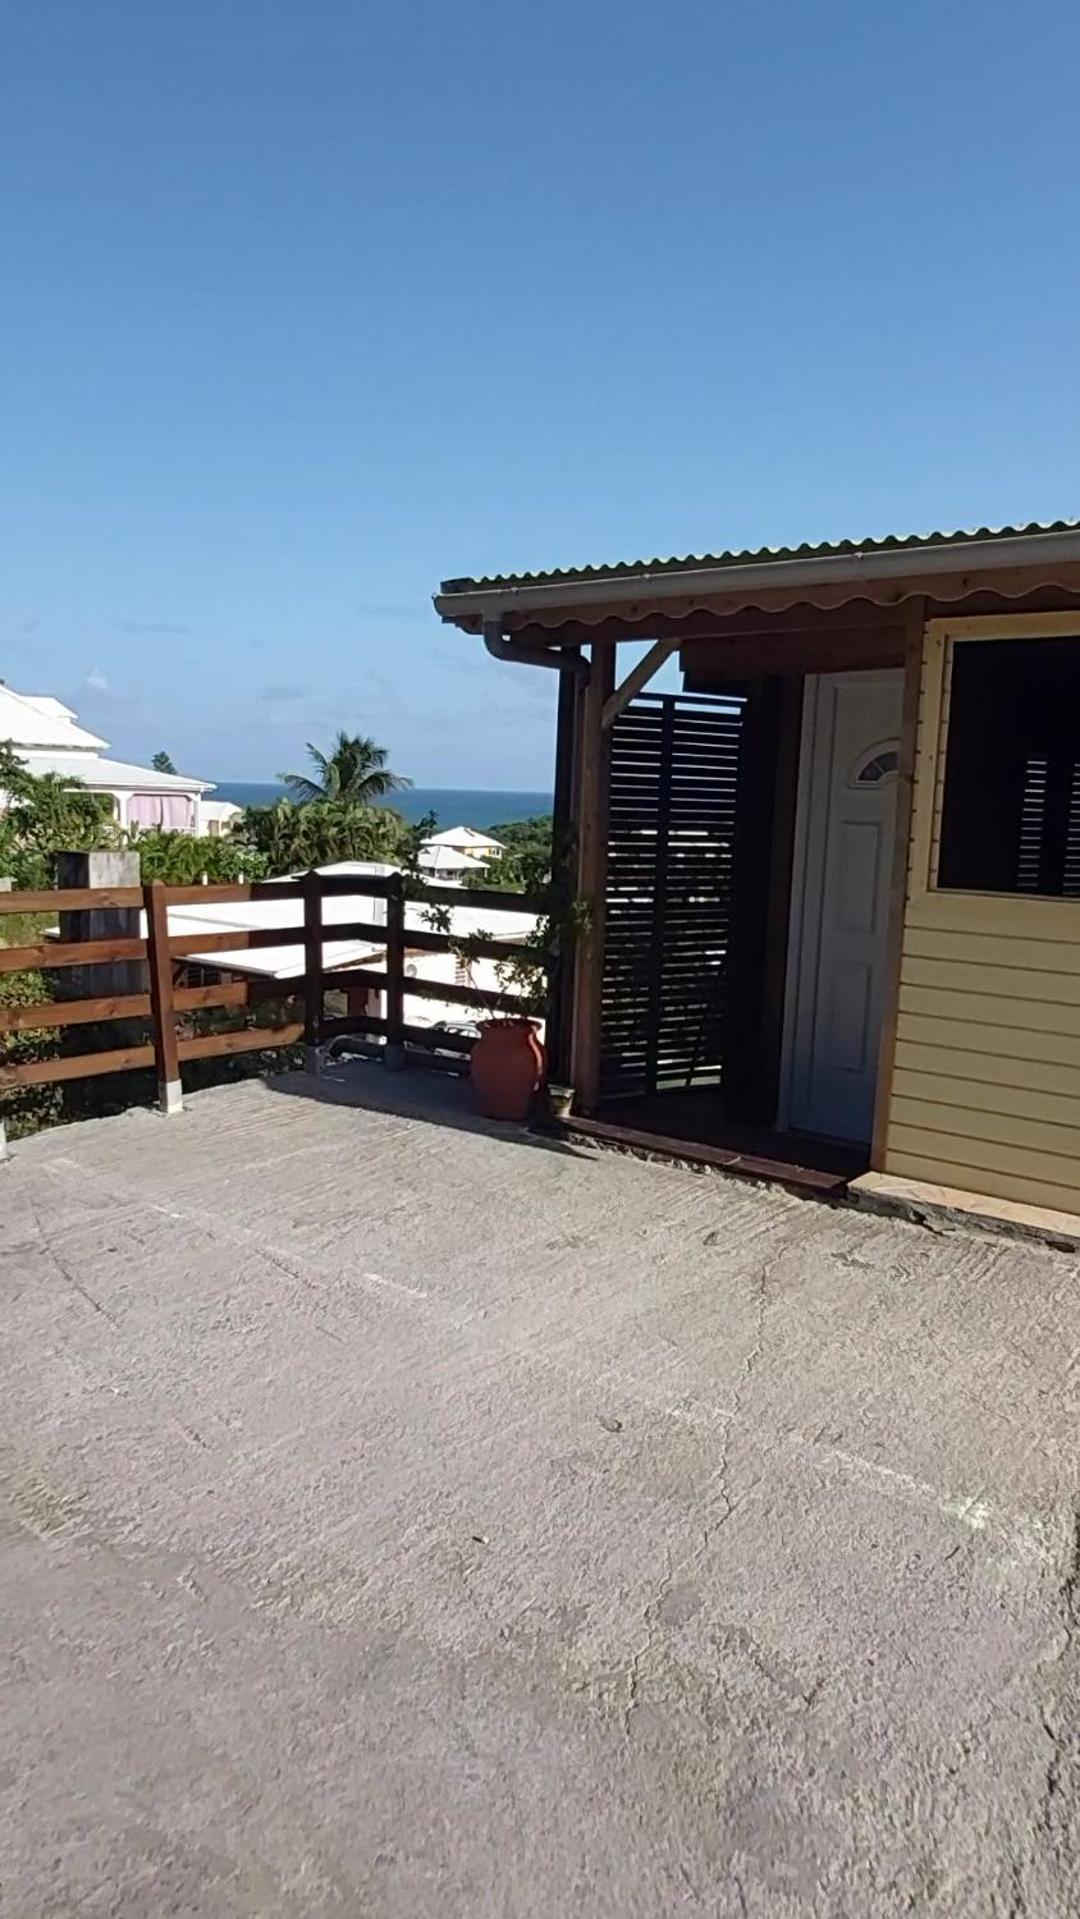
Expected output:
{"points": [[700, 584]]}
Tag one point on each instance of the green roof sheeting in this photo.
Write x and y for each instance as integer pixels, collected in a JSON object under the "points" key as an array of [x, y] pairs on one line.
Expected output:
{"points": [[826, 549]]}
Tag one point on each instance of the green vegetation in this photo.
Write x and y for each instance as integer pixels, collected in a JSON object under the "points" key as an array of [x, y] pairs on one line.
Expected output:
{"points": [[289, 838], [162, 763], [27, 1108], [354, 770], [525, 866], [181, 860], [44, 817], [47, 816]]}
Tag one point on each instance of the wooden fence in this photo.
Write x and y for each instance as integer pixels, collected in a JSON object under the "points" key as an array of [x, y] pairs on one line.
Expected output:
{"points": [[302, 995]]}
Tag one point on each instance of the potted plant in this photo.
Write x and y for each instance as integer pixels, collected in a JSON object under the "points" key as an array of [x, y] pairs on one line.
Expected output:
{"points": [[509, 1060], [507, 1065]]}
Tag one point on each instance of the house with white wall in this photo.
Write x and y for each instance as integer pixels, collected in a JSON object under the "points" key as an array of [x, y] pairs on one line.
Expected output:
{"points": [[456, 853], [46, 736]]}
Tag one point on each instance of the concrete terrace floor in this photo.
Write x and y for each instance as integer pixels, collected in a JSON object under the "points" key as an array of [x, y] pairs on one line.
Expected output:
{"points": [[411, 1518]]}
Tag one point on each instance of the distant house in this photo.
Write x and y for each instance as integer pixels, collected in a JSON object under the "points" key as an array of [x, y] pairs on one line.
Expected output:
{"points": [[47, 738], [457, 851], [217, 817]]}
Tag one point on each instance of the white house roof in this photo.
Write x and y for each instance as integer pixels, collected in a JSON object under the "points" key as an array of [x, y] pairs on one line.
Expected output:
{"points": [[447, 859], [48, 739], [464, 838], [35, 719], [287, 961], [46, 704], [476, 921], [109, 775]]}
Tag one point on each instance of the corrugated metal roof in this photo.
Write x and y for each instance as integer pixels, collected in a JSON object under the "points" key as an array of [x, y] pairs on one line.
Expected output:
{"points": [[95, 772], [760, 556]]}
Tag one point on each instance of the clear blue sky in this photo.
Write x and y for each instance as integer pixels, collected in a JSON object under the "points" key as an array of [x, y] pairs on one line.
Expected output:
{"points": [[308, 304]]}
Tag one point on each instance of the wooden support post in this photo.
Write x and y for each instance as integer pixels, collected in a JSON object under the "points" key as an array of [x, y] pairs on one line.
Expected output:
{"points": [[595, 763], [563, 879], [313, 970], [394, 1050], [898, 888], [166, 1057]]}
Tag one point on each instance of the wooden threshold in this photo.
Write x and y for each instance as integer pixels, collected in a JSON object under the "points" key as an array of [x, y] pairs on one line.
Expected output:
{"points": [[948, 1207], [813, 1181]]}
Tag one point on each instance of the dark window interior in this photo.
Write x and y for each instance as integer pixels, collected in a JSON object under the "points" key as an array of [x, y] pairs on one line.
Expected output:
{"points": [[1011, 816]]}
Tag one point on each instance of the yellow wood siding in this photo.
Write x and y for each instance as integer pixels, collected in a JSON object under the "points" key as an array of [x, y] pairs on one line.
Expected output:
{"points": [[985, 1087]]}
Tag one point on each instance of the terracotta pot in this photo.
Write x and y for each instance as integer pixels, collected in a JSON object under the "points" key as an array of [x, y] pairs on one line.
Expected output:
{"points": [[507, 1066]]}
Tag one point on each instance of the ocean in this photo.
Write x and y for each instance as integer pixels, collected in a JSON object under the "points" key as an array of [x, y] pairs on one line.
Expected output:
{"points": [[452, 806]]}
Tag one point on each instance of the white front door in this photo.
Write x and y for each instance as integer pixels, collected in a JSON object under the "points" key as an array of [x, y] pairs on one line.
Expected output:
{"points": [[840, 906]]}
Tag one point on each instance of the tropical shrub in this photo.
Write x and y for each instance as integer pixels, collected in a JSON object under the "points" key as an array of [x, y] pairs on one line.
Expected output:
{"points": [[292, 838], [182, 860], [45, 816]]}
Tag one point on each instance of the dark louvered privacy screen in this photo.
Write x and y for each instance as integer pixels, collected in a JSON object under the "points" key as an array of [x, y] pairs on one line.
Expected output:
{"points": [[674, 775]]}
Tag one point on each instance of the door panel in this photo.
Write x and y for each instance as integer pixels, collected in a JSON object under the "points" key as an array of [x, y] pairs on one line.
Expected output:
{"points": [[836, 985]]}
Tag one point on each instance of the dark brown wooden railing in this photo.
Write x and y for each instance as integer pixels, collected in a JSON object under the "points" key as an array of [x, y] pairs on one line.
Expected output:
{"points": [[301, 997]]}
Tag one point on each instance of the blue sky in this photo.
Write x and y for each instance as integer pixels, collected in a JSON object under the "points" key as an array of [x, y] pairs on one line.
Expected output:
{"points": [[307, 306]]}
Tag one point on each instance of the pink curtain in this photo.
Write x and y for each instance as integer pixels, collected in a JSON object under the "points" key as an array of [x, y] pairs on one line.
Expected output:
{"points": [[173, 811]]}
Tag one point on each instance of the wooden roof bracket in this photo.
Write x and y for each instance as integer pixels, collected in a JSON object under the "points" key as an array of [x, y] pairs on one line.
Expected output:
{"points": [[638, 677], [521, 653]]}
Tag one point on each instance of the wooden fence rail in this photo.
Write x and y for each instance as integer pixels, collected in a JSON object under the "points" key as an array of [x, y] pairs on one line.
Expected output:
{"points": [[161, 950]]}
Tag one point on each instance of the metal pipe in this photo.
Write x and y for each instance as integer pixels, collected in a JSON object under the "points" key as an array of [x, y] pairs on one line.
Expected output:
{"points": [[520, 653]]}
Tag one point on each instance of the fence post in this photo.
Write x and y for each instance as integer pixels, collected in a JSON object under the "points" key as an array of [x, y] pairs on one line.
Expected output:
{"points": [[313, 970], [394, 1050], [166, 1059], [109, 979]]}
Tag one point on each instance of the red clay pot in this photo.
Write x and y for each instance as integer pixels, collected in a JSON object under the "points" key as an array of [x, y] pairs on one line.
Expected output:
{"points": [[507, 1066]]}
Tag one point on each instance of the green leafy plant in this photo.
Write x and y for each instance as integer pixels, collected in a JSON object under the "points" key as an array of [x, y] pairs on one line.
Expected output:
{"points": [[523, 977], [292, 837], [26, 1108], [45, 816], [181, 860]]}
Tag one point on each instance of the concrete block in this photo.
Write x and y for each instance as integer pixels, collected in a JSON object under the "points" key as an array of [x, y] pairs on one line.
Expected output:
{"points": [[170, 1098]]}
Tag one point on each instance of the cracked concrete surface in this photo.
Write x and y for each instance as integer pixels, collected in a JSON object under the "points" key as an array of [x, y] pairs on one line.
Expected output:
{"points": [[399, 1516]]}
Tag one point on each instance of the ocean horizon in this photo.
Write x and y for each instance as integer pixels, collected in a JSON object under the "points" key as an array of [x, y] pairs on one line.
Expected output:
{"points": [[451, 805]]}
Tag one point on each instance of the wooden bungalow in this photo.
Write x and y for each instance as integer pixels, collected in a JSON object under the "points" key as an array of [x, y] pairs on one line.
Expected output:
{"points": [[833, 885]]}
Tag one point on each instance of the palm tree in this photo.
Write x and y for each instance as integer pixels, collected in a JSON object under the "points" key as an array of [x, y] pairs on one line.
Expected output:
{"points": [[355, 769]]}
